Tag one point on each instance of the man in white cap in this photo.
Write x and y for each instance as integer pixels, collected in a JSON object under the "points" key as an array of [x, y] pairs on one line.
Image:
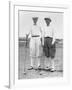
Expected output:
{"points": [[49, 44], [35, 43]]}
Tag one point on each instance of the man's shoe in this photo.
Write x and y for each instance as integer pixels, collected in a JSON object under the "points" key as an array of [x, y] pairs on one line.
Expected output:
{"points": [[47, 68], [52, 70], [39, 68], [30, 68]]}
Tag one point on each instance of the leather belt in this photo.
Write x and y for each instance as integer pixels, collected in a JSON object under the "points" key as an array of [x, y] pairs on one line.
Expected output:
{"points": [[36, 36], [48, 37]]}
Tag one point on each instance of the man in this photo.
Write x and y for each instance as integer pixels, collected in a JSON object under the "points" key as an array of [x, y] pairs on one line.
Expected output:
{"points": [[35, 43], [49, 44]]}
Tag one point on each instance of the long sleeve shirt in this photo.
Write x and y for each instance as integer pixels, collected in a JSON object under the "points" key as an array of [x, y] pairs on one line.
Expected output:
{"points": [[35, 30], [49, 32]]}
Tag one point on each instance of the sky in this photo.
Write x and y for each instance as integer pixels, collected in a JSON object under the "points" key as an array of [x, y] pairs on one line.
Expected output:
{"points": [[25, 22]]}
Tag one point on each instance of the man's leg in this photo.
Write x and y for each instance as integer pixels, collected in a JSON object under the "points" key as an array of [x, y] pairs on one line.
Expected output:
{"points": [[52, 65], [32, 52], [32, 61], [47, 59], [38, 62], [38, 52], [47, 63], [52, 54]]}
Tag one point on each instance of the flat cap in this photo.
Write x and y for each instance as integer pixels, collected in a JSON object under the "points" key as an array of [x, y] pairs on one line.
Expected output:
{"points": [[35, 18], [47, 19]]}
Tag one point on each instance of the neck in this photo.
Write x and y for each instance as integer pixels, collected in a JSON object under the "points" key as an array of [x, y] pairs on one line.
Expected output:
{"points": [[48, 24], [35, 24]]}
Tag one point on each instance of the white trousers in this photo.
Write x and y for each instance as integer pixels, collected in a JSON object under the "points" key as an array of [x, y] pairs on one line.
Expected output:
{"points": [[35, 44]]}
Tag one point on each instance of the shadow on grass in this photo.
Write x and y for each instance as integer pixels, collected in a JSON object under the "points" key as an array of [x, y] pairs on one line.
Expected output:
{"points": [[7, 86]]}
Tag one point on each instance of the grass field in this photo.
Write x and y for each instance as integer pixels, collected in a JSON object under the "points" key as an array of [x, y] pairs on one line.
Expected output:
{"points": [[24, 63]]}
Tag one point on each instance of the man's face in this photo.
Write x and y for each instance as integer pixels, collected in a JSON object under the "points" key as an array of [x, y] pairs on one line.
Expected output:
{"points": [[47, 23], [35, 21]]}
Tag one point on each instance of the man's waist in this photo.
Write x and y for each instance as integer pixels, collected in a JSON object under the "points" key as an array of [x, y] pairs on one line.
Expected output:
{"points": [[35, 35], [48, 37]]}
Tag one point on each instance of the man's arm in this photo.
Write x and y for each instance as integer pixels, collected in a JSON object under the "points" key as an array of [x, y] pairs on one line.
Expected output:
{"points": [[53, 35], [42, 36], [29, 34]]}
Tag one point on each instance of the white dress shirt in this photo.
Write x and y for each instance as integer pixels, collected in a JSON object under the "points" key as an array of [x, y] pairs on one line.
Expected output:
{"points": [[49, 32], [35, 30]]}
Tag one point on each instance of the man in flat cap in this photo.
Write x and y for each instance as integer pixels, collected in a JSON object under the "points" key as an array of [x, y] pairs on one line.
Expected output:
{"points": [[35, 43], [49, 44]]}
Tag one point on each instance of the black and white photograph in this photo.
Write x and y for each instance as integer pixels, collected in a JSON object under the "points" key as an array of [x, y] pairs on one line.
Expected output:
{"points": [[39, 40], [36, 44], [40, 44]]}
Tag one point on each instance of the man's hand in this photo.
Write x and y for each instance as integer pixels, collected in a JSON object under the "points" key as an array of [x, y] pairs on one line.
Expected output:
{"points": [[53, 42], [42, 43]]}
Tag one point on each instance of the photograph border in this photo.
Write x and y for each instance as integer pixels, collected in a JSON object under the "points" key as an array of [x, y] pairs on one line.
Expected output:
{"points": [[13, 45]]}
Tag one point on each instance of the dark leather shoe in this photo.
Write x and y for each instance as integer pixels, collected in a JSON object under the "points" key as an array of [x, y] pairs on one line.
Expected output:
{"points": [[52, 70], [30, 68], [39, 68], [47, 68]]}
